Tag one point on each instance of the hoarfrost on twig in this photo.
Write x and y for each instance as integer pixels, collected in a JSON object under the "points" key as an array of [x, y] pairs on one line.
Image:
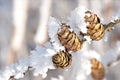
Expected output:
{"points": [[77, 22], [53, 26], [17, 70], [41, 60]]}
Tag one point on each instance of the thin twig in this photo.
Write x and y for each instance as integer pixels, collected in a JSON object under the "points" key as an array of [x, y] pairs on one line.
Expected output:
{"points": [[110, 25]]}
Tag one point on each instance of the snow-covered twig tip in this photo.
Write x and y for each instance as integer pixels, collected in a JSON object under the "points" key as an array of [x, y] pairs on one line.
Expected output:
{"points": [[110, 25]]}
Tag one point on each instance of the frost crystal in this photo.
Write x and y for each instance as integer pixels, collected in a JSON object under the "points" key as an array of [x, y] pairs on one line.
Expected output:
{"points": [[76, 20], [17, 70], [77, 23], [114, 18], [88, 39], [53, 26], [41, 60], [22, 67]]}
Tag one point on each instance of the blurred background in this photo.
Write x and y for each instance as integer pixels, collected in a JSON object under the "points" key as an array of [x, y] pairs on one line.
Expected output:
{"points": [[23, 24]]}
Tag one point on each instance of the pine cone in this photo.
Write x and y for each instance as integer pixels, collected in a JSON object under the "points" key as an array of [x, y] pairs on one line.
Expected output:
{"points": [[98, 71], [69, 39], [62, 59], [95, 29], [96, 32], [91, 18]]}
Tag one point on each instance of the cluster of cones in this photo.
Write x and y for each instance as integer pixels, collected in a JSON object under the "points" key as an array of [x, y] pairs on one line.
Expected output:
{"points": [[71, 42]]}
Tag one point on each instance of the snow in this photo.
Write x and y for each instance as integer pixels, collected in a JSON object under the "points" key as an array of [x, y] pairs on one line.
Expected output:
{"points": [[114, 18], [22, 67], [41, 60], [77, 23], [76, 20], [53, 26], [17, 70]]}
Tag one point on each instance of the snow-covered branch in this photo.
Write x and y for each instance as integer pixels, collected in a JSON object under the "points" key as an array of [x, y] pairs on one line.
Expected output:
{"points": [[110, 25], [40, 60], [68, 49]]}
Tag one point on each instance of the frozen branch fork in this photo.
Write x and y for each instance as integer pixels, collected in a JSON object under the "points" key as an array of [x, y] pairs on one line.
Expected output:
{"points": [[67, 48]]}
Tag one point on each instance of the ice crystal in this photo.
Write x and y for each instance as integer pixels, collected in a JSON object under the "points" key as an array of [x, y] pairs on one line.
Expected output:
{"points": [[76, 20], [41, 60], [53, 26], [17, 70]]}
